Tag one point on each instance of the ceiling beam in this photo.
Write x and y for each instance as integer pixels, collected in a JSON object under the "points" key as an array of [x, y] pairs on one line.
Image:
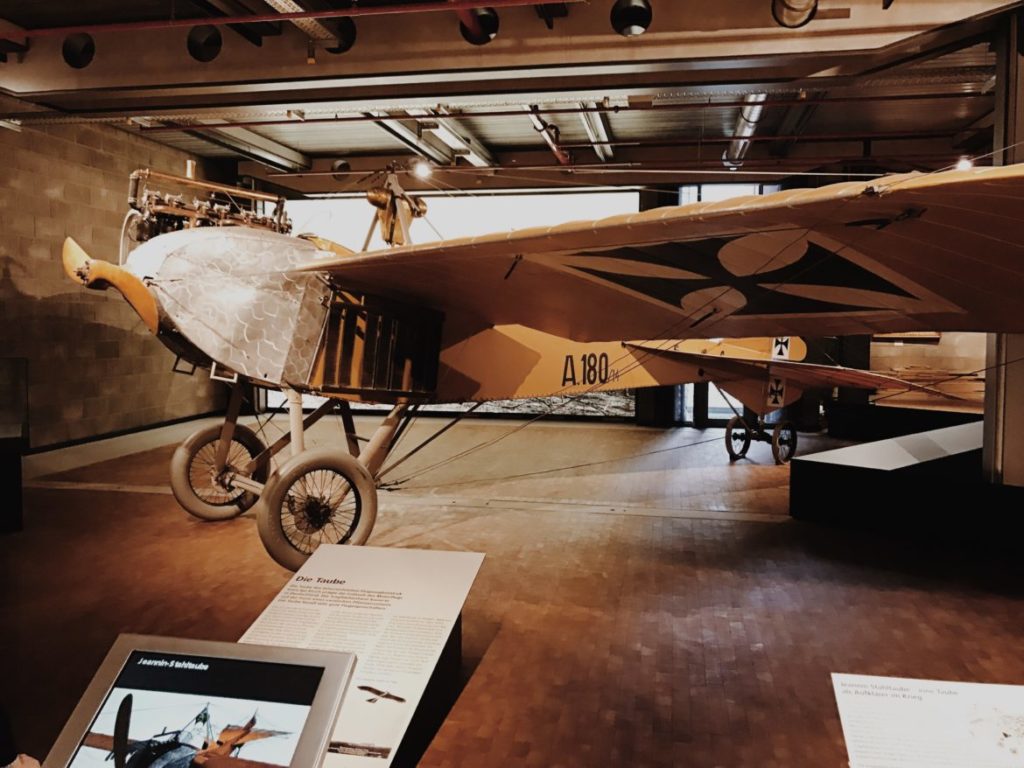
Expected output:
{"points": [[312, 27], [454, 135], [411, 139], [299, 15], [13, 39], [794, 123], [548, 12], [536, 168], [595, 123], [549, 132], [254, 33], [255, 146]]}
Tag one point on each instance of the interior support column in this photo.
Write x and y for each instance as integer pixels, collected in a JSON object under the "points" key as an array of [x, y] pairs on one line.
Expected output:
{"points": [[656, 406], [1003, 455]]}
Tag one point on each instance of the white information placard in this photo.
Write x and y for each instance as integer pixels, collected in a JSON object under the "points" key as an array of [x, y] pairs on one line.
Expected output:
{"points": [[891, 722], [394, 609]]}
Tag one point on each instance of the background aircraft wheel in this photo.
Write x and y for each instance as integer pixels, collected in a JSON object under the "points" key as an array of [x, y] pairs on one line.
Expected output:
{"points": [[318, 497], [737, 438], [194, 478], [783, 442]]}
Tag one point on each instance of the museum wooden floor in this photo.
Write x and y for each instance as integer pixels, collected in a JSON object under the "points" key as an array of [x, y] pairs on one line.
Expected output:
{"points": [[651, 606]]}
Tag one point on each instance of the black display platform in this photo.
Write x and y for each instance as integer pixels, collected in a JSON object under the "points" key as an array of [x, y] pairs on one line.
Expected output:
{"points": [[922, 475], [12, 447], [865, 421], [13, 439]]}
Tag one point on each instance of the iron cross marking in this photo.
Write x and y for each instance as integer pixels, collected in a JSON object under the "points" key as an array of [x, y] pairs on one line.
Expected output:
{"points": [[781, 346], [818, 266], [776, 392]]}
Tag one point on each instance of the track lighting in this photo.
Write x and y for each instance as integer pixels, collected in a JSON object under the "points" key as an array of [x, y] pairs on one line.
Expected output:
{"points": [[793, 13], [631, 17], [482, 27]]}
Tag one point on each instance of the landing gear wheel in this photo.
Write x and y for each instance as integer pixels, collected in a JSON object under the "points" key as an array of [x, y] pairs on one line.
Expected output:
{"points": [[783, 442], [318, 497], [196, 483], [737, 438]]}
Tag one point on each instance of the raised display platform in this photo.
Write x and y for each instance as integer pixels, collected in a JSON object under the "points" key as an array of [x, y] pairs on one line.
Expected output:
{"points": [[928, 474]]}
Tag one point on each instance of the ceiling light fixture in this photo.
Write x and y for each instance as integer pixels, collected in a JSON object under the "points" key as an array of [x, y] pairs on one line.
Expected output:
{"points": [[423, 170], [479, 25], [346, 29], [78, 50], [204, 42], [631, 17], [793, 13], [964, 164]]}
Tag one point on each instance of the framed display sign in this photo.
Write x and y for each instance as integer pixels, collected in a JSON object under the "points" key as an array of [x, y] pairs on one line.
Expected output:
{"points": [[159, 702]]}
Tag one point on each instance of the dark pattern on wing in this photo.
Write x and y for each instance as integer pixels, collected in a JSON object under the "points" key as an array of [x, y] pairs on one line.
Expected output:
{"points": [[818, 266]]}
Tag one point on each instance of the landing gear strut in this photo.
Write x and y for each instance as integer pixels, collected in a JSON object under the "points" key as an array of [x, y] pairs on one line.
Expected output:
{"points": [[321, 496]]}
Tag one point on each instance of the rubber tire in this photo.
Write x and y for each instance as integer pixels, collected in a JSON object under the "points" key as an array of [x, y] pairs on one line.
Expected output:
{"points": [[736, 423], [268, 513], [777, 449], [182, 460]]}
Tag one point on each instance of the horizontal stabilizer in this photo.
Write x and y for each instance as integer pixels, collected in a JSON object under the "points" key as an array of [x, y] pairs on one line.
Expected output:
{"points": [[765, 385]]}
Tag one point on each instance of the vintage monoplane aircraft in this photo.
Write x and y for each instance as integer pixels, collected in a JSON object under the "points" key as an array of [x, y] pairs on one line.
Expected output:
{"points": [[666, 296], [192, 746]]}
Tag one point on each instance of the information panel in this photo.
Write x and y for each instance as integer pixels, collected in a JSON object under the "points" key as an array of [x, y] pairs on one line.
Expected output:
{"points": [[394, 609], [891, 722]]}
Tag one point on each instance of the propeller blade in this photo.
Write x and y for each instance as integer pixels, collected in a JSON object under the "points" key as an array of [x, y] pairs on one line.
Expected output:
{"points": [[121, 723]]}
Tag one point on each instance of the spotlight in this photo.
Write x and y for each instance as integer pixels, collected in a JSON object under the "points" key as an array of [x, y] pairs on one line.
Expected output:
{"points": [[340, 169], [78, 50], [793, 13], [631, 17], [964, 164], [346, 29], [204, 42], [421, 169], [482, 27]]}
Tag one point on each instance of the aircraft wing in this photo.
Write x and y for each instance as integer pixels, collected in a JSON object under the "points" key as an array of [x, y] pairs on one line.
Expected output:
{"points": [[765, 385], [943, 251]]}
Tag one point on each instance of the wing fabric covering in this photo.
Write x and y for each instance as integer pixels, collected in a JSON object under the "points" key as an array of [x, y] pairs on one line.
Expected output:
{"points": [[943, 251]]}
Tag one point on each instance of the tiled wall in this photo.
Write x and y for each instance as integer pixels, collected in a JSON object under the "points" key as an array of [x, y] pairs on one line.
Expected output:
{"points": [[93, 368]]}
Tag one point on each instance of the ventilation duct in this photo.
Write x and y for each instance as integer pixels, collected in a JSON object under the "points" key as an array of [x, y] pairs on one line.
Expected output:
{"points": [[746, 124]]}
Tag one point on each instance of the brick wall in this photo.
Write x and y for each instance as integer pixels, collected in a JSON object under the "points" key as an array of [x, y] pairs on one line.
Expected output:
{"points": [[93, 368]]}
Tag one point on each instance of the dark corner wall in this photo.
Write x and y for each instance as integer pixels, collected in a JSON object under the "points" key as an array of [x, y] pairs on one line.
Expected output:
{"points": [[92, 366]]}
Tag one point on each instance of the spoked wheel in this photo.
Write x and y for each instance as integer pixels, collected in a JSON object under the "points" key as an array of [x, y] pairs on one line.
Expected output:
{"points": [[318, 497], [783, 442], [737, 438], [200, 488]]}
